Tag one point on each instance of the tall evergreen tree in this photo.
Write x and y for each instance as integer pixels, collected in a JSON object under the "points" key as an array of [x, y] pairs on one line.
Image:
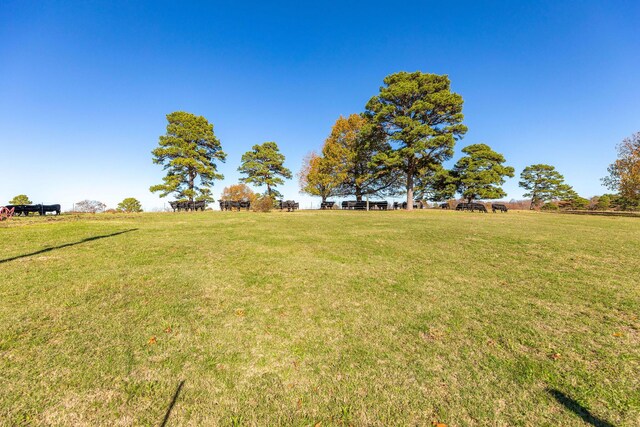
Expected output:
{"points": [[264, 165], [20, 199], [543, 184], [422, 119], [481, 173], [435, 183], [188, 151]]}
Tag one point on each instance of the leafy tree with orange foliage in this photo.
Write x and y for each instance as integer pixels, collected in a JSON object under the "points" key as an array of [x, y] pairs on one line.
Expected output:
{"points": [[350, 153], [624, 173], [237, 192]]}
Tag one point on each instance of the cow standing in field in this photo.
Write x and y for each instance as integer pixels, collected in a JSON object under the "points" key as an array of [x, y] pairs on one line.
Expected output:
{"points": [[289, 205], [229, 205], [472, 207], [499, 207]]}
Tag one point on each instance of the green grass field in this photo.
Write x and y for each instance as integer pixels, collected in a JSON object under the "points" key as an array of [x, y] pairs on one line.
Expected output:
{"points": [[320, 318]]}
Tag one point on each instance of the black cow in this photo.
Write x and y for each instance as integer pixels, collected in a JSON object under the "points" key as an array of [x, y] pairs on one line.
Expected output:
{"points": [[444, 206], [379, 205], [50, 208], [289, 205], [358, 205], [349, 204], [499, 207], [471, 207], [361, 205], [327, 205], [229, 205], [417, 204]]}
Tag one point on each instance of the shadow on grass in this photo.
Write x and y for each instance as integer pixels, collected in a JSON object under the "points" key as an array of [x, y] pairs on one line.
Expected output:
{"points": [[66, 245], [173, 402], [578, 409]]}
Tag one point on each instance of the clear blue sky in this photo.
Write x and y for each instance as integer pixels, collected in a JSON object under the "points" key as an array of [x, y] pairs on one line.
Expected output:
{"points": [[85, 86]]}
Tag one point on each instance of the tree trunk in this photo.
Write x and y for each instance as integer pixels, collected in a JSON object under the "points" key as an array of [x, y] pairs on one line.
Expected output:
{"points": [[192, 178], [269, 190], [410, 190], [358, 193]]}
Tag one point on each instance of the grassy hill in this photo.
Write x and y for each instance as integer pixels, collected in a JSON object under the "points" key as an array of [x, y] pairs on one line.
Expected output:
{"points": [[338, 318]]}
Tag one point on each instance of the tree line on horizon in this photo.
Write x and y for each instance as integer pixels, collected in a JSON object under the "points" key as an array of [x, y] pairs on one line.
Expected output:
{"points": [[397, 145]]}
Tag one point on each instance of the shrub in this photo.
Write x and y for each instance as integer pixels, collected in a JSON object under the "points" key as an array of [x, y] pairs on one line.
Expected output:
{"points": [[623, 204], [519, 204], [579, 203], [549, 206], [130, 204], [603, 203], [262, 204]]}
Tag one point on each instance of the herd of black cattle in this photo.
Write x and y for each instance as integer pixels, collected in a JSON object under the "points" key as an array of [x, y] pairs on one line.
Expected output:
{"points": [[289, 205], [25, 210], [228, 205], [358, 205]]}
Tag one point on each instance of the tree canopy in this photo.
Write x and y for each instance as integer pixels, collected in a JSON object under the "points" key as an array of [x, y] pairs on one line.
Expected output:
{"points": [[624, 173], [20, 199], [237, 192], [130, 204], [188, 151], [543, 184], [435, 183], [350, 151], [481, 173], [317, 178], [422, 119], [264, 165]]}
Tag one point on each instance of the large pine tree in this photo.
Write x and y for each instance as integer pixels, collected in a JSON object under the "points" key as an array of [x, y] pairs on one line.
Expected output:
{"points": [[422, 119], [188, 151], [543, 183], [264, 165], [481, 173]]}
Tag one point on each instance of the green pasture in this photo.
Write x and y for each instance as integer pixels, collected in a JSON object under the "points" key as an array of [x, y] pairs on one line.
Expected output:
{"points": [[320, 318]]}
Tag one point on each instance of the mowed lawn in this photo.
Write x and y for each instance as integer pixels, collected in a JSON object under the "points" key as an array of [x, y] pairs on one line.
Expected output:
{"points": [[320, 318]]}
